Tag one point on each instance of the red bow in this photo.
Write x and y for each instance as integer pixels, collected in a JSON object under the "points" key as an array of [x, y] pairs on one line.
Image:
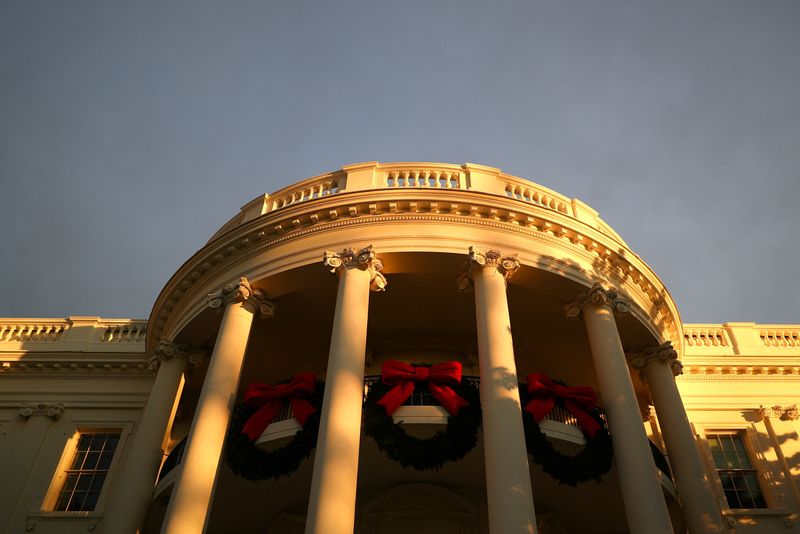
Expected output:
{"points": [[269, 399], [580, 401], [404, 376]]}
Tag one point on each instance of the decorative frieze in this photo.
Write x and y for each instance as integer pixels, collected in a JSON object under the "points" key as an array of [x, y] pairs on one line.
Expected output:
{"points": [[597, 296], [322, 217], [665, 353], [166, 350], [363, 259], [477, 259], [101, 368], [241, 291], [53, 411]]}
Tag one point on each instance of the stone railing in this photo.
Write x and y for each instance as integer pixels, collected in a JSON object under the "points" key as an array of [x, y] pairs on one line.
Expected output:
{"points": [[423, 176], [50, 334], [33, 330], [430, 178], [536, 194], [702, 336], [133, 332], [780, 338], [320, 187]]}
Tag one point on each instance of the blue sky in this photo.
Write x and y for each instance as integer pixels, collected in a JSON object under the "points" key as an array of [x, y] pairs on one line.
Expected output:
{"points": [[130, 131]]}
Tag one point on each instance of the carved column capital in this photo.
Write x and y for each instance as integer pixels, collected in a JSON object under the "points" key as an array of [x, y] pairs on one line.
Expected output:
{"points": [[665, 353], [788, 413], [53, 411], [364, 259], [167, 349], [477, 259], [241, 291], [598, 296]]}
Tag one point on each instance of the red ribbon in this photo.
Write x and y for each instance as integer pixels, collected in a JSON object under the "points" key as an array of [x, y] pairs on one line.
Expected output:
{"points": [[269, 399], [404, 377], [580, 401]]}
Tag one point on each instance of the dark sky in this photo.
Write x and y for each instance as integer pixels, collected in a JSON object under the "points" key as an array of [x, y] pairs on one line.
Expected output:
{"points": [[130, 131]]}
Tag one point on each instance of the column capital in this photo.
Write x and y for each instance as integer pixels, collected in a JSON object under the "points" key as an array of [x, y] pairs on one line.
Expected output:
{"points": [[598, 296], [364, 260], [241, 291], [784, 413], [477, 259], [665, 353], [53, 411], [167, 349]]}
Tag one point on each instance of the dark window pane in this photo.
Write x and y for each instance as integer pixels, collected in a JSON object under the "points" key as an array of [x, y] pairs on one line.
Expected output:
{"points": [[77, 463], [76, 504], [105, 460], [63, 501], [84, 441], [97, 483], [69, 484], [727, 481], [91, 501], [91, 460], [83, 482]]}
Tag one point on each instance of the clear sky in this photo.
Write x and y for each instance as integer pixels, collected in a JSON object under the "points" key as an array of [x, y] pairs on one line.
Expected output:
{"points": [[130, 131]]}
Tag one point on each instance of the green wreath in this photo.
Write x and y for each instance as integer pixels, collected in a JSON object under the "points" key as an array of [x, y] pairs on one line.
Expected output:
{"points": [[448, 445], [591, 463], [253, 463]]}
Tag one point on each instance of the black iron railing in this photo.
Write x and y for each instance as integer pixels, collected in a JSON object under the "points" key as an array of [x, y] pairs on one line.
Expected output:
{"points": [[421, 395]]}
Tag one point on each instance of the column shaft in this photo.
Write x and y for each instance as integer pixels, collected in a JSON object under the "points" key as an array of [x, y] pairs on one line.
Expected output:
{"points": [[331, 508], [133, 488], [694, 487], [645, 507], [191, 498], [508, 483]]}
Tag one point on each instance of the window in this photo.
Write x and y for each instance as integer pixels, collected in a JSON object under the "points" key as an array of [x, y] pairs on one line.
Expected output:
{"points": [[86, 472], [736, 473]]}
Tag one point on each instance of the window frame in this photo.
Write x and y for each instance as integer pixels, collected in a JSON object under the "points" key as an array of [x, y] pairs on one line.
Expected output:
{"points": [[749, 436], [68, 454]]}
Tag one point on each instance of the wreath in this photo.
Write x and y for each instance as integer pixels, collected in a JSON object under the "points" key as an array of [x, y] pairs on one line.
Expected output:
{"points": [[448, 445], [253, 463], [591, 463]]}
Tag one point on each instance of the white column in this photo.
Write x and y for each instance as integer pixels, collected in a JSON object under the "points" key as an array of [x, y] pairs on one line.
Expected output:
{"points": [[191, 498], [645, 507], [659, 365], [332, 502], [508, 481], [132, 489]]}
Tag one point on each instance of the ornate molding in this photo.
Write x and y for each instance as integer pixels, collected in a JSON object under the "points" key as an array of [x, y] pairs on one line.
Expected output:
{"points": [[363, 259], [784, 413], [241, 291], [53, 411], [663, 353], [477, 259], [328, 214], [597, 296], [166, 350]]}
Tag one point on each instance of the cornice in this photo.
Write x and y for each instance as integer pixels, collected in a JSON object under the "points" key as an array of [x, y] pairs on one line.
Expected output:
{"points": [[748, 372], [74, 368], [616, 264]]}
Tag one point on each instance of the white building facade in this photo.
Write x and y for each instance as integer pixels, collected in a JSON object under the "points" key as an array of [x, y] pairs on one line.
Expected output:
{"points": [[466, 289]]}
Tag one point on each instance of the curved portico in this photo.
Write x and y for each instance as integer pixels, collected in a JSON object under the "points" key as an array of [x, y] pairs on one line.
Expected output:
{"points": [[424, 222]]}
